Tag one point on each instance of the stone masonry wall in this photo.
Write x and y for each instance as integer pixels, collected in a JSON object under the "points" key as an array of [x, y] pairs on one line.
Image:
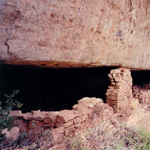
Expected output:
{"points": [[119, 100], [65, 121], [119, 93]]}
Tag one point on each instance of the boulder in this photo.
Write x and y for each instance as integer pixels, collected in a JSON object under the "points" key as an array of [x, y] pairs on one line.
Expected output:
{"points": [[66, 115], [12, 134], [75, 33]]}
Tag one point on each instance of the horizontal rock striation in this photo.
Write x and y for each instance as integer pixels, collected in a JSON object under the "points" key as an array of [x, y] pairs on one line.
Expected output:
{"points": [[75, 33]]}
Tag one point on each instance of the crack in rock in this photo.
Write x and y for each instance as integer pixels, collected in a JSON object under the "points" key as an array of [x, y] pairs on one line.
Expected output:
{"points": [[8, 50]]}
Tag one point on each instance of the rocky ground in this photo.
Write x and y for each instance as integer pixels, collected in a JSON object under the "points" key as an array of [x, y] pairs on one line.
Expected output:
{"points": [[101, 131], [104, 133]]}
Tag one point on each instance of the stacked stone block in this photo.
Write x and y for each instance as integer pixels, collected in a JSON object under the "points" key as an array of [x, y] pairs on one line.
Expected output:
{"points": [[62, 122], [119, 93]]}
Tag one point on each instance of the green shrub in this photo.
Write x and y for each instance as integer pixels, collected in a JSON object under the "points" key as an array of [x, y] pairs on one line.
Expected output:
{"points": [[5, 108]]}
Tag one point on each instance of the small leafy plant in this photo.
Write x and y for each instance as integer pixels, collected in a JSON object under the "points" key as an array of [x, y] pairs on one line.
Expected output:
{"points": [[5, 108]]}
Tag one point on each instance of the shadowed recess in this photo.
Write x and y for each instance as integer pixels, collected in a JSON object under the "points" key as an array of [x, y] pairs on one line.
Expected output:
{"points": [[52, 89], [141, 77]]}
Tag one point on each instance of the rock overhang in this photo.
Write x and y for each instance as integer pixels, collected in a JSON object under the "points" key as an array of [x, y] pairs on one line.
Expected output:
{"points": [[61, 65], [75, 33]]}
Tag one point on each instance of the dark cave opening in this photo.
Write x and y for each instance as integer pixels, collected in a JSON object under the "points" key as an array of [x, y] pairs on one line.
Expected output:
{"points": [[50, 89], [141, 78]]}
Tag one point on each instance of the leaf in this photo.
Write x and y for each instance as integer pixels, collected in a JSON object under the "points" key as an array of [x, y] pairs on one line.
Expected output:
{"points": [[5, 120], [19, 104], [17, 91], [6, 95]]}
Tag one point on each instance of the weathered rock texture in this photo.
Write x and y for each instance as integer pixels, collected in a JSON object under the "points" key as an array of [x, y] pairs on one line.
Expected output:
{"points": [[119, 94], [67, 33], [65, 121], [142, 93]]}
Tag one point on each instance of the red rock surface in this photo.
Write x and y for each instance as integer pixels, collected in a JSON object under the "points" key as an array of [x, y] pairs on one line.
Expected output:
{"points": [[75, 33]]}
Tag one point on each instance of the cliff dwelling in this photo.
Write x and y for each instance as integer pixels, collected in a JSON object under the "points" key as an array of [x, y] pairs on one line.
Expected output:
{"points": [[55, 89], [56, 52], [50, 89]]}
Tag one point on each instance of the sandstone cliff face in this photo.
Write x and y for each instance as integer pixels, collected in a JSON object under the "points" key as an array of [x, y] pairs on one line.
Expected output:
{"points": [[67, 33]]}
